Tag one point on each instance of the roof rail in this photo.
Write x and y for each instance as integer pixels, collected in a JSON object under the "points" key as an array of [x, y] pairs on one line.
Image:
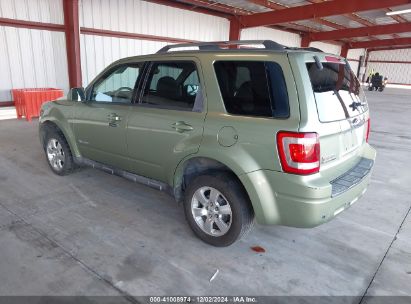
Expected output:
{"points": [[216, 45]]}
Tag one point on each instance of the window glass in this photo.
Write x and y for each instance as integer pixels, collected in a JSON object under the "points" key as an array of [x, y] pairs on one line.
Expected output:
{"points": [[173, 85], [253, 88], [118, 85], [338, 93]]}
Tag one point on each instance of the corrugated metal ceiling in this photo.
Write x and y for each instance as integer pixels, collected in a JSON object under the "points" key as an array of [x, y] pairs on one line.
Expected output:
{"points": [[292, 2], [343, 21], [244, 4], [354, 20]]}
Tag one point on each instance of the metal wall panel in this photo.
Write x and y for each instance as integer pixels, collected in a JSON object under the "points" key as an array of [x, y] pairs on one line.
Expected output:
{"points": [[392, 55], [143, 17], [31, 58], [49, 11], [354, 66], [355, 54], [285, 38], [140, 17], [264, 33], [396, 72], [97, 52], [327, 47]]}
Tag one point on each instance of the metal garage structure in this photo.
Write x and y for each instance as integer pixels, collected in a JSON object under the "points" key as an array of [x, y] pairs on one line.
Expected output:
{"points": [[65, 43], [93, 234]]}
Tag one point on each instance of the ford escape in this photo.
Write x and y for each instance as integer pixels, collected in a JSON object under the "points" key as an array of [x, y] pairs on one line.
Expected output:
{"points": [[267, 132]]}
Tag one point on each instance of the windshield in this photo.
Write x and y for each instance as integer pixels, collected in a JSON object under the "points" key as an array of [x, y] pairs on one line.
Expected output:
{"points": [[338, 93]]}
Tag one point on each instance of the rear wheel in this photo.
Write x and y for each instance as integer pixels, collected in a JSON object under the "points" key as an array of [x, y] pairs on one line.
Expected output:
{"points": [[217, 209], [58, 152]]}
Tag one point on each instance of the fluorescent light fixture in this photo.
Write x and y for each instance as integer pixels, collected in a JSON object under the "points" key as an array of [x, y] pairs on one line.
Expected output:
{"points": [[399, 12]]}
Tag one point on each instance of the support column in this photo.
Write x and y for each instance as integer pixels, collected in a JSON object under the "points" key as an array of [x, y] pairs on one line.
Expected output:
{"points": [[305, 41], [72, 31], [344, 50], [367, 57], [235, 29]]}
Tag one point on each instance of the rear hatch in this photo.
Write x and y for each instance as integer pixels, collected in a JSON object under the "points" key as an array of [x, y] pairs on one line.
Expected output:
{"points": [[332, 104]]}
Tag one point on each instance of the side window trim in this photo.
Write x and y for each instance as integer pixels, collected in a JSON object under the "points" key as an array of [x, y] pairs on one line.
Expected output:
{"points": [[139, 86], [144, 80]]}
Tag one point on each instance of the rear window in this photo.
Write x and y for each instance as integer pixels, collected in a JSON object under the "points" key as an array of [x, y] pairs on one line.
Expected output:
{"points": [[253, 88], [338, 93]]}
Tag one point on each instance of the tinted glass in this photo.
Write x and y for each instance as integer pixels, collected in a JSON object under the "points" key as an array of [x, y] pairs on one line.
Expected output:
{"points": [[253, 88], [173, 85], [118, 85], [337, 91]]}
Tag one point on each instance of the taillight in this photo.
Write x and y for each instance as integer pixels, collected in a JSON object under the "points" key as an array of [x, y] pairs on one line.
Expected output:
{"points": [[299, 152], [367, 133]]}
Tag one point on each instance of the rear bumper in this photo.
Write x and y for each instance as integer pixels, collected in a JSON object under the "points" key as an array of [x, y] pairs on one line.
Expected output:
{"points": [[304, 201]]}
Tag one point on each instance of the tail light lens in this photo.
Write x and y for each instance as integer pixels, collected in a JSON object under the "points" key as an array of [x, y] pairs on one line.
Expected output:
{"points": [[367, 133], [299, 152]]}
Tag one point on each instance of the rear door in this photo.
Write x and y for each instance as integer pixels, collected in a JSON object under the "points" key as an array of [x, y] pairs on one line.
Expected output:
{"points": [[167, 123], [334, 105]]}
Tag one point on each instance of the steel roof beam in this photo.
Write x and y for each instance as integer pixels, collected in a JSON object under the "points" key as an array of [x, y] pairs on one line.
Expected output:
{"points": [[379, 43], [397, 18], [389, 48], [386, 29], [317, 10], [213, 11], [216, 6], [277, 6]]}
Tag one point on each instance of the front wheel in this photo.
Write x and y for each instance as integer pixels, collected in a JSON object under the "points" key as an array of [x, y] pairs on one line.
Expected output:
{"points": [[218, 209], [58, 152]]}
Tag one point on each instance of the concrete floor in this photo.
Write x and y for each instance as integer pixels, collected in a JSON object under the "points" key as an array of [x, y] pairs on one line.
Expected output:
{"points": [[91, 233]]}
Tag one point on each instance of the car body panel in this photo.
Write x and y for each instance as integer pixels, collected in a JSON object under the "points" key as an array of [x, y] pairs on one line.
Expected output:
{"points": [[301, 201], [340, 140], [148, 126], [97, 137], [145, 143], [60, 113]]}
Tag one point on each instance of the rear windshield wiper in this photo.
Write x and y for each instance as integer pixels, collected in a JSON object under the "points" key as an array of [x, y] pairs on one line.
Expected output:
{"points": [[355, 105]]}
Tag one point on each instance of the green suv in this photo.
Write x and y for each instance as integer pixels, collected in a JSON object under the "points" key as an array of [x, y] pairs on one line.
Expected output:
{"points": [[236, 133]]}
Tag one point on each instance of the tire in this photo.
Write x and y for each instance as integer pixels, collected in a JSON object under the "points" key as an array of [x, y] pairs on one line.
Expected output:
{"points": [[57, 150], [228, 191]]}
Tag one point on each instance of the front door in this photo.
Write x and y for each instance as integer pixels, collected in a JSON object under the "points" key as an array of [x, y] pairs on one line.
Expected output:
{"points": [[100, 122], [167, 124]]}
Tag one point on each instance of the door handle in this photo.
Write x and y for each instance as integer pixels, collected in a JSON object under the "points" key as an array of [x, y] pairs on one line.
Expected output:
{"points": [[113, 117], [182, 126]]}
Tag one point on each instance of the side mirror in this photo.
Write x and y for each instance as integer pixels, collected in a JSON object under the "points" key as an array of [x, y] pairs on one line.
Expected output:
{"points": [[77, 94]]}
